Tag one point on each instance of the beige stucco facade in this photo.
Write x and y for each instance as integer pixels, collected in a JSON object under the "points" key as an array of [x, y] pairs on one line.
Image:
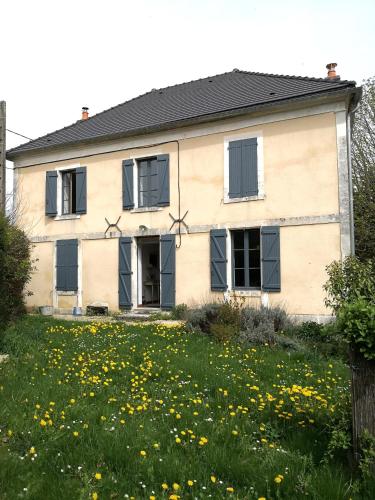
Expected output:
{"points": [[302, 191]]}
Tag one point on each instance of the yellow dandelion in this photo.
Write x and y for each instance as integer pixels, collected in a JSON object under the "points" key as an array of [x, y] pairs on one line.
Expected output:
{"points": [[43, 423], [75, 434], [175, 486], [164, 486], [94, 496], [190, 482], [213, 479], [32, 450], [98, 476], [230, 489], [142, 453]]}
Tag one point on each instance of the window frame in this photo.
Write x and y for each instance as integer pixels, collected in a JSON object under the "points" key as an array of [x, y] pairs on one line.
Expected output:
{"points": [[260, 163], [148, 177], [60, 195], [247, 268], [137, 208]]}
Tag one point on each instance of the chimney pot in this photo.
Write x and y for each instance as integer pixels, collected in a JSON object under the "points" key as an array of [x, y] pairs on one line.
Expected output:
{"points": [[331, 70], [85, 113]]}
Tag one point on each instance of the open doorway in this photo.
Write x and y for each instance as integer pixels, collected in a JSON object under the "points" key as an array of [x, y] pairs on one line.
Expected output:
{"points": [[148, 272]]}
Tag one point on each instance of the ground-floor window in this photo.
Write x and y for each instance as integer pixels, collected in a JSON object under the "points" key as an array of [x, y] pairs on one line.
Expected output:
{"points": [[246, 258]]}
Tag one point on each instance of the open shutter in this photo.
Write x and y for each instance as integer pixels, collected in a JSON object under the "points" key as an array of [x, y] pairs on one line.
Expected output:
{"points": [[243, 168], [51, 193], [67, 265], [270, 245], [163, 180], [125, 272], [218, 250], [81, 190], [127, 184], [168, 270]]}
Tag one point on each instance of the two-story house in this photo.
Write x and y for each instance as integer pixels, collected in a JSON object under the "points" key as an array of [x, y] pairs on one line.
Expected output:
{"points": [[236, 183]]}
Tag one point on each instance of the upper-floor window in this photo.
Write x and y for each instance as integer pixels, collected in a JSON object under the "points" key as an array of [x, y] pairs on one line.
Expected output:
{"points": [[148, 185], [145, 182], [69, 194], [243, 176], [66, 192]]}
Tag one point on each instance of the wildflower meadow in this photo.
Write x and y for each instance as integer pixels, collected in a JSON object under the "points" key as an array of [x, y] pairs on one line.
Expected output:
{"points": [[151, 411]]}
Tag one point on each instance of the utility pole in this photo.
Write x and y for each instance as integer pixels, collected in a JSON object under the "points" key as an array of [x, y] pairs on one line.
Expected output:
{"points": [[2, 157]]}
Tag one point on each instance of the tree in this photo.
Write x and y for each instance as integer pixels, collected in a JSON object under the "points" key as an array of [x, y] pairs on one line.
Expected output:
{"points": [[363, 163]]}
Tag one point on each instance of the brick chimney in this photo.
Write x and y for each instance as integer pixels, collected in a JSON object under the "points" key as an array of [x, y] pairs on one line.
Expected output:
{"points": [[85, 113], [332, 71]]}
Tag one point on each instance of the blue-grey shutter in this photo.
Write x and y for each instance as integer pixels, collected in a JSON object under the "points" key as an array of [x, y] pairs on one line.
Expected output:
{"points": [[67, 265], [163, 180], [243, 168], [218, 256], [168, 270], [125, 272], [81, 190], [51, 193], [127, 184], [270, 247]]}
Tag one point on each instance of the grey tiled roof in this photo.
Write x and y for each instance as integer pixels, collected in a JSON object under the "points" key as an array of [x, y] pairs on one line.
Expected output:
{"points": [[198, 100]]}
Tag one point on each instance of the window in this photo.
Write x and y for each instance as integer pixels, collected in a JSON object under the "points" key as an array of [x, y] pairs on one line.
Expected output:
{"points": [[148, 184], [243, 169], [68, 192], [67, 265], [246, 258]]}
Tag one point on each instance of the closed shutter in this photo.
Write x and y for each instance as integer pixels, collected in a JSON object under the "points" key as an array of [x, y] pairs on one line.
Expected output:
{"points": [[67, 265], [81, 190], [270, 247], [127, 184], [51, 193], [163, 180], [125, 273], [168, 270], [218, 251], [243, 168]]}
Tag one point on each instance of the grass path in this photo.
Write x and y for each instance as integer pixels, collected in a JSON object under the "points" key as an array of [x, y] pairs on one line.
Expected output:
{"points": [[107, 410]]}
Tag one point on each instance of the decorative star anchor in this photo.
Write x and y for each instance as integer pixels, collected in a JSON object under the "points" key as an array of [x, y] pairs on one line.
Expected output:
{"points": [[179, 222], [113, 225]]}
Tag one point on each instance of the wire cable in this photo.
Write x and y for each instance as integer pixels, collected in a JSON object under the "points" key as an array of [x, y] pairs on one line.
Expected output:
{"points": [[16, 133]]}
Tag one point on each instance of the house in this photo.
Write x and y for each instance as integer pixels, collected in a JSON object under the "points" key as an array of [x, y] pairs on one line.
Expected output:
{"points": [[237, 183]]}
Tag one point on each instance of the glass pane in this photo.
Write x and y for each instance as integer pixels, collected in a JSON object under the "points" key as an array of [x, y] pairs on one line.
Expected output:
{"points": [[66, 182], [238, 239], [239, 258], [239, 277], [254, 239], [254, 278], [254, 258]]}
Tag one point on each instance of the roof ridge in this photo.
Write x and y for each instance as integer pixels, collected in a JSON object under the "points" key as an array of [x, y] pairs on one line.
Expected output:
{"points": [[294, 77]]}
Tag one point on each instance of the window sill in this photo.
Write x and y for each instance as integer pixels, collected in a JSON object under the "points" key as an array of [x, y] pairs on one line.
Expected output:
{"points": [[67, 217], [246, 293], [63, 292], [246, 198], [140, 210]]}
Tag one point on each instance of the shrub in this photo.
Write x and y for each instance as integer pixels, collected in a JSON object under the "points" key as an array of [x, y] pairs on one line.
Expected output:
{"points": [[223, 332], [202, 317], [15, 270], [179, 312], [348, 281], [275, 318], [356, 323]]}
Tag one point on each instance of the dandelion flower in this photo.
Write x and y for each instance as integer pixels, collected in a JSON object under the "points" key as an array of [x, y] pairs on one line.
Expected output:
{"points": [[230, 489], [142, 453], [213, 479], [164, 486], [190, 482], [43, 423], [75, 434], [94, 496], [32, 450], [98, 476], [175, 486]]}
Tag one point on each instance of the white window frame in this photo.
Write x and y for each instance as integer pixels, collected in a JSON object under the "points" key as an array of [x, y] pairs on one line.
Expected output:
{"points": [[60, 171], [260, 162]]}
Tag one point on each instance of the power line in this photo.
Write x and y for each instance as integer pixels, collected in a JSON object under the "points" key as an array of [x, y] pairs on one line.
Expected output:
{"points": [[16, 133]]}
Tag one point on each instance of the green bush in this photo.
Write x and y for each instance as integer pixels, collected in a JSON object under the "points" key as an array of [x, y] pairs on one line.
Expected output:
{"points": [[356, 323], [348, 281], [15, 270], [179, 312]]}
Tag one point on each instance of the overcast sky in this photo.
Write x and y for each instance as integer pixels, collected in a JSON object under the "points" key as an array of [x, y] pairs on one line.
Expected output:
{"points": [[58, 56]]}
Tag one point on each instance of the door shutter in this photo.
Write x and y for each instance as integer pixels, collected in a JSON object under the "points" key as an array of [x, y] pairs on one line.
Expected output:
{"points": [[125, 273], [127, 185], [218, 250], [67, 265], [163, 180], [51, 193], [243, 168], [168, 270], [81, 190], [270, 245]]}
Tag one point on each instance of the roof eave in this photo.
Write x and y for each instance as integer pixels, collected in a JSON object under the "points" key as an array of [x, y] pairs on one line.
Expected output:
{"points": [[354, 93]]}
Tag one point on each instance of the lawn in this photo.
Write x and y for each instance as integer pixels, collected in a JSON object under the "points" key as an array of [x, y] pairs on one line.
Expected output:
{"points": [[107, 410]]}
